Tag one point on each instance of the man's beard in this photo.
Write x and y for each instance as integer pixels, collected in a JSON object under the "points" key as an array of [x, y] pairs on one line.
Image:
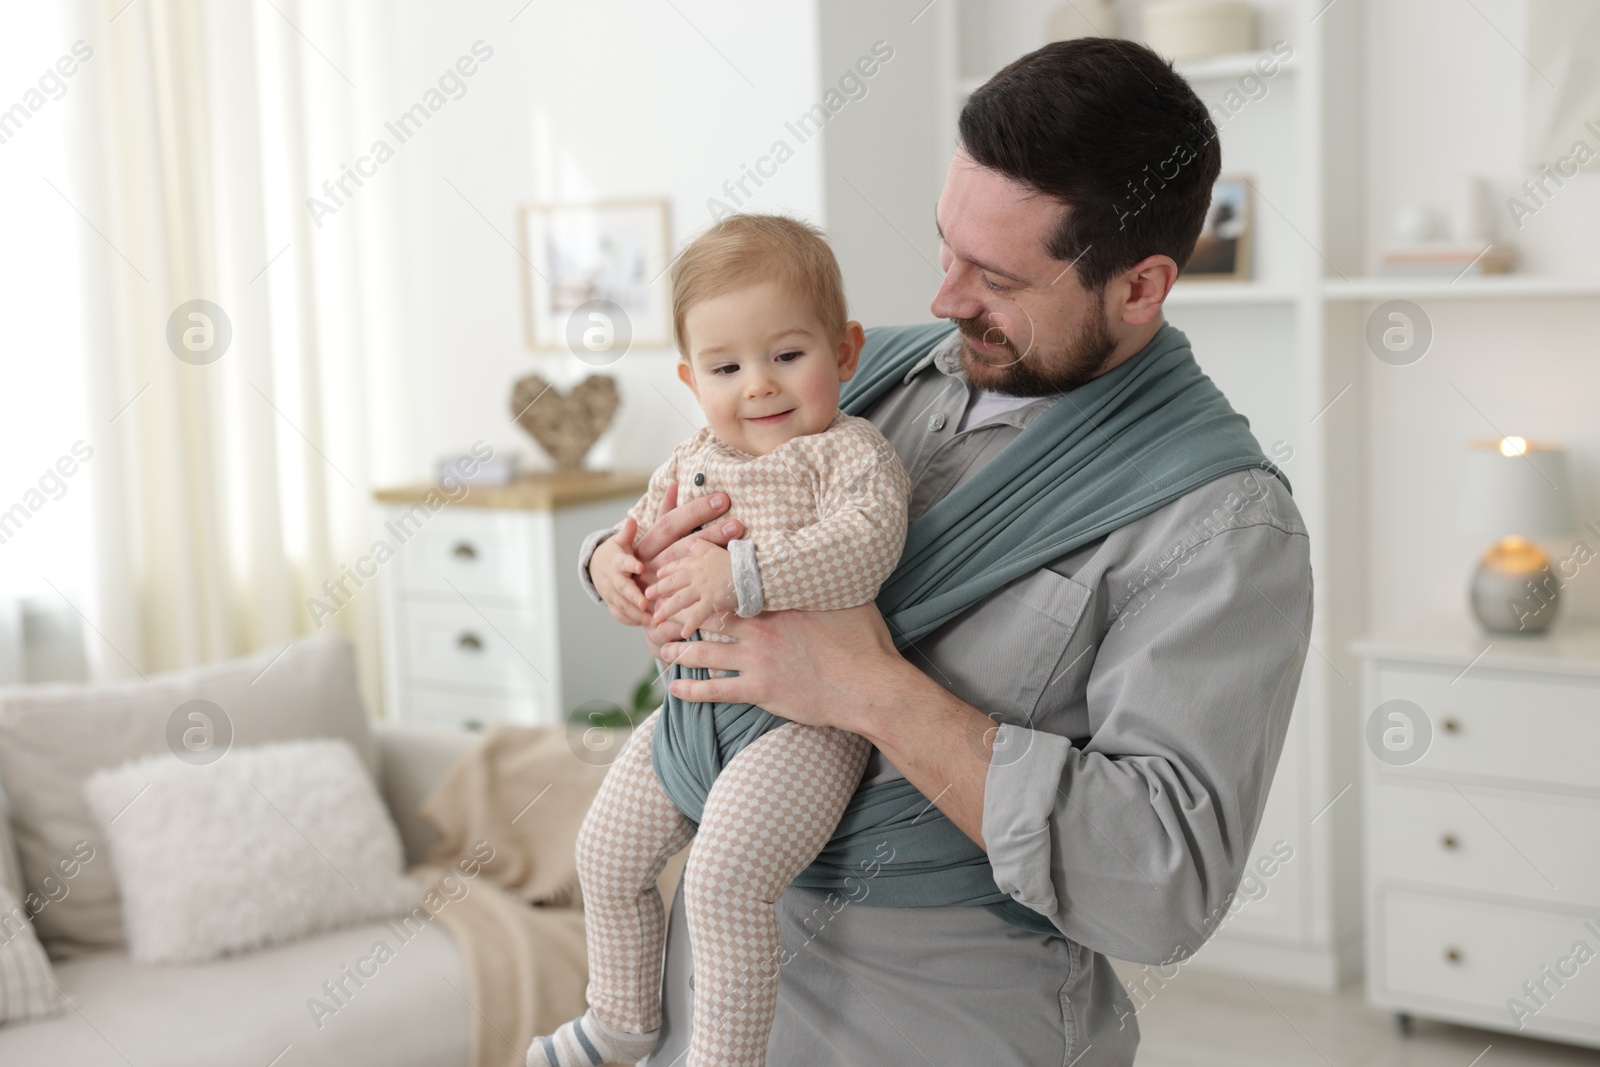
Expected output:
{"points": [[1040, 372]]}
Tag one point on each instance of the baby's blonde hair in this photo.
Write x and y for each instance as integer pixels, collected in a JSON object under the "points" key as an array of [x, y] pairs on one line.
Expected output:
{"points": [[744, 250]]}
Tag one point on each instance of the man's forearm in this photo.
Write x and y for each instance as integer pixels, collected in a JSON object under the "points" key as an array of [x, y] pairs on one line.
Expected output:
{"points": [[941, 744]]}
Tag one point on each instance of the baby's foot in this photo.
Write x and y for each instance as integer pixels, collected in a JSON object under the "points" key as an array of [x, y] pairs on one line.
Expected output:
{"points": [[588, 1042]]}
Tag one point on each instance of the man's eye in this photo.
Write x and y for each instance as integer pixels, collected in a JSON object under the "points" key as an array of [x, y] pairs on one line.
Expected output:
{"points": [[993, 288]]}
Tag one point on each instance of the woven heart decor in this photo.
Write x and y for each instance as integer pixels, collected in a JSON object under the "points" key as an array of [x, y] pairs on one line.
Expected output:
{"points": [[565, 425]]}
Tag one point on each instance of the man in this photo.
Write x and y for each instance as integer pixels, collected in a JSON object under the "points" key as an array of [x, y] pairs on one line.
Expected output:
{"points": [[1105, 727]]}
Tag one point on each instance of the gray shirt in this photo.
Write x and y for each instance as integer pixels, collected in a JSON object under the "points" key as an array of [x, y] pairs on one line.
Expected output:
{"points": [[1142, 685]]}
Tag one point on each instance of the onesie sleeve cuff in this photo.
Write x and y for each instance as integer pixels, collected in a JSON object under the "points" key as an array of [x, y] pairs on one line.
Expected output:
{"points": [[590, 543], [746, 577]]}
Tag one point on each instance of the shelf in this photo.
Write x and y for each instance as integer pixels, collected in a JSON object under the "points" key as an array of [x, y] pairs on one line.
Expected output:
{"points": [[1230, 66], [1527, 286], [1230, 294], [1213, 68], [1571, 647]]}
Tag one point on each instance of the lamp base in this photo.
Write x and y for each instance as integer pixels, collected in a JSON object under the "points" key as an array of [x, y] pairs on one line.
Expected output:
{"points": [[1513, 590]]}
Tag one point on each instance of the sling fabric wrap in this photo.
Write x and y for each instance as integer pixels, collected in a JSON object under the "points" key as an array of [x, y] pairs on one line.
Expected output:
{"points": [[1109, 452]]}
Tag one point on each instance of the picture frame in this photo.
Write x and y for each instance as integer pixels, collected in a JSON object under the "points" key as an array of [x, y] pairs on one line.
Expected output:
{"points": [[604, 250], [1223, 251]]}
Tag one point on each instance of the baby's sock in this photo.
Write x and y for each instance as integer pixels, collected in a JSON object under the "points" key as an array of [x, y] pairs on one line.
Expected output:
{"points": [[588, 1042]]}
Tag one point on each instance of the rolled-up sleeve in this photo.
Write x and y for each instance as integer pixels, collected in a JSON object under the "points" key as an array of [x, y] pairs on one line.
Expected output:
{"points": [[1132, 841]]}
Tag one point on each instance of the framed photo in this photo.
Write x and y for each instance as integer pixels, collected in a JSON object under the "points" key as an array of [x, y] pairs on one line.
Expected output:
{"points": [[1223, 251], [612, 252]]}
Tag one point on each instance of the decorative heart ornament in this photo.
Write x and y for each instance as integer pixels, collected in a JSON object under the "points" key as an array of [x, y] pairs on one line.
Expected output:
{"points": [[566, 425]]}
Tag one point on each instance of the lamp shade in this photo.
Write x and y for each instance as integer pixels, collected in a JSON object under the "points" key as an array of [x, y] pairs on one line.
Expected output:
{"points": [[1514, 487]]}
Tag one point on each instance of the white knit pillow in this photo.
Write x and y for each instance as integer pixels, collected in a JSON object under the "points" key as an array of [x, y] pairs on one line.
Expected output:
{"points": [[268, 844], [27, 983]]}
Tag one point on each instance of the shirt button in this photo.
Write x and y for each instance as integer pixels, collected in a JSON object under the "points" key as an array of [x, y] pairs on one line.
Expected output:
{"points": [[937, 422], [700, 479]]}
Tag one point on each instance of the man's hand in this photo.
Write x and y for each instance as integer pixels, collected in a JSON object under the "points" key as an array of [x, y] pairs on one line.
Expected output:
{"points": [[667, 540], [612, 568], [841, 669], [660, 544], [821, 668], [695, 586]]}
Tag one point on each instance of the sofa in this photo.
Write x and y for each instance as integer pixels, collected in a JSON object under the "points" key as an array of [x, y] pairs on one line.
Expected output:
{"points": [[252, 1008]]}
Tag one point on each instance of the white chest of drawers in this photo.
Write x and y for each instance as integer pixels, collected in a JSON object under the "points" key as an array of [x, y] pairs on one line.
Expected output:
{"points": [[1483, 855], [483, 618]]}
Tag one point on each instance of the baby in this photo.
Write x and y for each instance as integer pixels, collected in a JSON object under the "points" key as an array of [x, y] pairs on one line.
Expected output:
{"points": [[759, 316]]}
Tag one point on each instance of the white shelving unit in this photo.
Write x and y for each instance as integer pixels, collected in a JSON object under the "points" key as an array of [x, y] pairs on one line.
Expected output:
{"points": [[1228, 294], [1487, 287], [1287, 346]]}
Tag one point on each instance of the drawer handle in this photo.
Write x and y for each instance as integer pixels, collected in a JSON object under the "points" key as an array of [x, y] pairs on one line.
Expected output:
{"points": [[1451, 726], [470, 641], [1452, 956], [1449, 841], [464, 550], [472, 725]]}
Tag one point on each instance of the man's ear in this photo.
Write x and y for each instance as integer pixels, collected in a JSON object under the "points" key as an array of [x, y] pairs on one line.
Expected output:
{"points": [[850, 349], [686, 376], [1135, 296]]}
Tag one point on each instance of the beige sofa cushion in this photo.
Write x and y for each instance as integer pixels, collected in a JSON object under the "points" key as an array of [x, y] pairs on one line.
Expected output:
{"points": [[243, 1011], [53, 737]]}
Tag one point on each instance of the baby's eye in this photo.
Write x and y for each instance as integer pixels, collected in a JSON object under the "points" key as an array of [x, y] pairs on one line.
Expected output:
{"points": [[729, 367], [790, 357]]}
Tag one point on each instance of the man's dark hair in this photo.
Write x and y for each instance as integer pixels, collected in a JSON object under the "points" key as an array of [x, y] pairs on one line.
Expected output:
{"points": [[1108, 128]]}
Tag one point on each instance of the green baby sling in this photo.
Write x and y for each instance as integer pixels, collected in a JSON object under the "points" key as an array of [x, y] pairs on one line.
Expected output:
{"points": [[1109, 452]]}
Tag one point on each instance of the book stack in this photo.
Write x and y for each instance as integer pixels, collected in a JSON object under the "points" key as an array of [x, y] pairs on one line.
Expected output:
{"points": [[1446, 260]]}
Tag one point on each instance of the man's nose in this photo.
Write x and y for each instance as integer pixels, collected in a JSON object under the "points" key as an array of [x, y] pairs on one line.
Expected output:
{"points": [[955, 299]]}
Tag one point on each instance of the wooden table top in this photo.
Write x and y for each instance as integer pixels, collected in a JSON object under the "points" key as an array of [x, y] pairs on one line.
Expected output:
{"points": [[540, 490]]}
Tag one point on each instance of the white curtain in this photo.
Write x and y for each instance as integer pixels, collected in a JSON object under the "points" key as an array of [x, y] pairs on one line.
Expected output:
{"points": [[233, 488]]}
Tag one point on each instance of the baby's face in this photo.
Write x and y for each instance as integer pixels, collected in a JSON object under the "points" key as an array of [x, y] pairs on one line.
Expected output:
{"points": [[762, 367]]}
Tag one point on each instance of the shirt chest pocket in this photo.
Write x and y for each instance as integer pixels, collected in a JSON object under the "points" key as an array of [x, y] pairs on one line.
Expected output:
{"points": [[1001, 653]]}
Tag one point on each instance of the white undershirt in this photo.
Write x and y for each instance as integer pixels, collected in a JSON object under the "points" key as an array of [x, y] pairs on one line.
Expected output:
{"points": [[991, 403]]}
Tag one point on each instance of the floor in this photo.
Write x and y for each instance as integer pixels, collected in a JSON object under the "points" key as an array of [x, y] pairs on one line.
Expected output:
{"points": [[1201, 1019]]}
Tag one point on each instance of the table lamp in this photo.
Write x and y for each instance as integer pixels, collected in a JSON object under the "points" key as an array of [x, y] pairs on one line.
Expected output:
{"points": [[1513, 490]]}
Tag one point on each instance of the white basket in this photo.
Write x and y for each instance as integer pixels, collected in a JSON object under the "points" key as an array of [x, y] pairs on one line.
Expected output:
{"points": [[1195, 29]]}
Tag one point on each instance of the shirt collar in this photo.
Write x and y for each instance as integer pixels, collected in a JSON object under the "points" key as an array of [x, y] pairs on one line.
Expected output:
{"points": [[946, 352]]}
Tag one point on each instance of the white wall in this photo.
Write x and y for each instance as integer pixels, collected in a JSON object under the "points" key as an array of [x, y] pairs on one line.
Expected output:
{"points": [[598, 100], [886, 155]]}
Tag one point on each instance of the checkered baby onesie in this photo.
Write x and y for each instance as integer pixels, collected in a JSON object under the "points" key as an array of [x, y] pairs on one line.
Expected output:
{"points": [[825, 522], [824, 514]]}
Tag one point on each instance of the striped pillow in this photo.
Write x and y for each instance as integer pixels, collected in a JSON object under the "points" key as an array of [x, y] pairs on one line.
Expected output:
{"points": [[27, 984]]}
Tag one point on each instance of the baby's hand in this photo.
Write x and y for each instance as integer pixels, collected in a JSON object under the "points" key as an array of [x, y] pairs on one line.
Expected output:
{"points": [[611, 568], [694, 587]]}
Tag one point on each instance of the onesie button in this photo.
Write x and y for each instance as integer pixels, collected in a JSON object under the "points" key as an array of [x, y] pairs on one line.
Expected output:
{"points": [[700, 479], [937, 422]]}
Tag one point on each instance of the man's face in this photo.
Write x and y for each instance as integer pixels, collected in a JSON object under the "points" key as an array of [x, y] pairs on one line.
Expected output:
{"points": [[1028, 326]]}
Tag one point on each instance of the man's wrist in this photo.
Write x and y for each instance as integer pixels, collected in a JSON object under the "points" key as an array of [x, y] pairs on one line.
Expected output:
{"points": [[942, 744], [899, 692]]}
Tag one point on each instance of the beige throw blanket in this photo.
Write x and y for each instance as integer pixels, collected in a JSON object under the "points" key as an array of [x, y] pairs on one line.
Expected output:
{"points": [[508, 815]]}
